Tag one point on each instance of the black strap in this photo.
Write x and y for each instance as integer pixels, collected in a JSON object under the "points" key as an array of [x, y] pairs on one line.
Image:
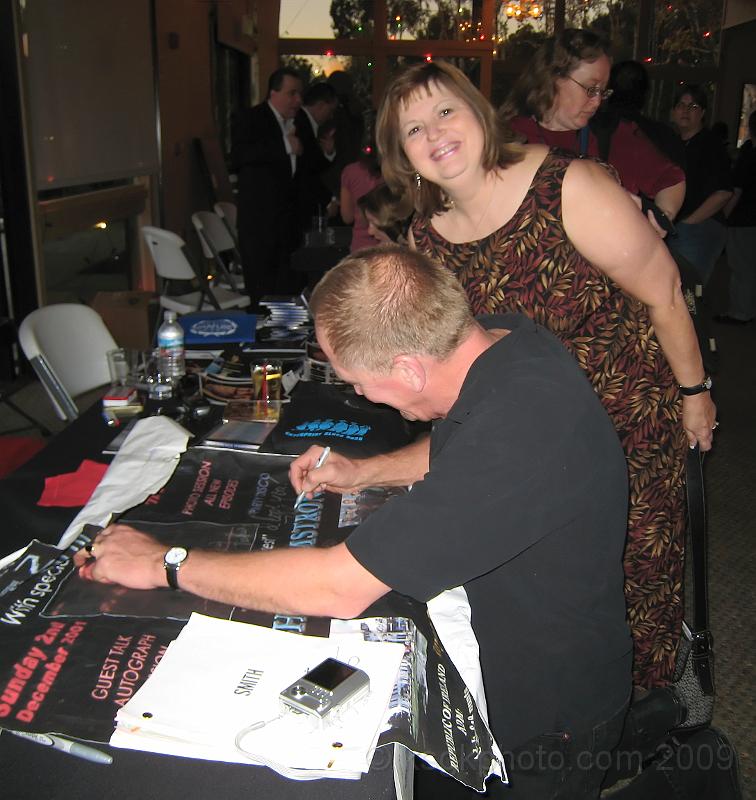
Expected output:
{"points": [[694, 487], [582, 136], [702, 651]]}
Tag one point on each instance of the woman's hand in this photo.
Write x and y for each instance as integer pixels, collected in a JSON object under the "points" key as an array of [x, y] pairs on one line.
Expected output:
{"points": [[699, 420], [649, 215]]}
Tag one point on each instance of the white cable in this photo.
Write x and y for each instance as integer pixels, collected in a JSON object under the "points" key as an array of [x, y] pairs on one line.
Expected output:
{"points": [[288, 772]]}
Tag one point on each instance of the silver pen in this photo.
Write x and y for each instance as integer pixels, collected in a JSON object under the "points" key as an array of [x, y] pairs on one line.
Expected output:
{"points": [[319, 463], [66, 745]]}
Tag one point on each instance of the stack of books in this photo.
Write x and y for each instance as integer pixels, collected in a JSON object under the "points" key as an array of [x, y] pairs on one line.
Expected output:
{"points": [[119, 402], [119, 396], [289, 318]]}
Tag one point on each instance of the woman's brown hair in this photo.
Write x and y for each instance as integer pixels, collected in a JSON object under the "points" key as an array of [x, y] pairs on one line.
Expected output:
{"points": [[390, 212], [535, 90]]}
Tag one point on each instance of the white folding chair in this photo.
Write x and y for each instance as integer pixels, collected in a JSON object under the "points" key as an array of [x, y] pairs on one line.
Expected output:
{"points": [[219, 246], [227, 212], [67, 345], [171, 264]]}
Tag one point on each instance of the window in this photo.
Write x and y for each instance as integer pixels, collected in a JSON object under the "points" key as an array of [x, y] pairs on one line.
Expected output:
{"points": [[686, 33], [367, 38]]}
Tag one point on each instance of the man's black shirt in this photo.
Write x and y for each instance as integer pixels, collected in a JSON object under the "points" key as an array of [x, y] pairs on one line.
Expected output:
{"points": [[525, 505]]}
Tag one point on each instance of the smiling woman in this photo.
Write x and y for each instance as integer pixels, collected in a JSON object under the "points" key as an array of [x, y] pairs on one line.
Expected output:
{"points": [[435, 82], [537, 231]]}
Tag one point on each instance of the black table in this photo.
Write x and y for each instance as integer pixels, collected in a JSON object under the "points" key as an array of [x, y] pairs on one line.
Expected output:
{"points": [[31, 771], [22, 519]]}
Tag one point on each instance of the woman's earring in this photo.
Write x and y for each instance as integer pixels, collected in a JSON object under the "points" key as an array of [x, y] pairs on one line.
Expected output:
{"points": [[417, 181]]}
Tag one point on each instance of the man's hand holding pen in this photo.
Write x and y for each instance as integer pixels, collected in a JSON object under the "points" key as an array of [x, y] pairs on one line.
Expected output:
{"points": [[336, 474]]}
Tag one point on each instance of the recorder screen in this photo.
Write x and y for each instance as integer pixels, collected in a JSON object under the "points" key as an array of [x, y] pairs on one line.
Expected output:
{"points": [[330, 674]]}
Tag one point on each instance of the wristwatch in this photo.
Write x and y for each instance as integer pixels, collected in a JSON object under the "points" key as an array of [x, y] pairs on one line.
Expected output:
{"points": [[691, 390], [172, 562]]}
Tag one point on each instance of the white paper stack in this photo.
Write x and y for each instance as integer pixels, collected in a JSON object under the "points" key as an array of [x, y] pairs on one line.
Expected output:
{"points": [[219, 677]]}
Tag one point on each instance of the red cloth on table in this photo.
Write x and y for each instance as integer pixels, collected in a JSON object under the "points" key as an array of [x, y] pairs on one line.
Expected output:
{"points": [[72, 488]]}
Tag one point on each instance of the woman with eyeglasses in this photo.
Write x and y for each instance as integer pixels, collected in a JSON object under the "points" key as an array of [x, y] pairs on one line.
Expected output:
{"points": [[554, 101], [701, 231], [538, 231]]}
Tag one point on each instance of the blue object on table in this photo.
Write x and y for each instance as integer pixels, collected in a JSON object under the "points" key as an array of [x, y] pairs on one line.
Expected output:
{"points": [[212, 328]]}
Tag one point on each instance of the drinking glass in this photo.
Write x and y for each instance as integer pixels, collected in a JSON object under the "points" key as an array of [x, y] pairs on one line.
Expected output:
{"points": [[118, 366]]}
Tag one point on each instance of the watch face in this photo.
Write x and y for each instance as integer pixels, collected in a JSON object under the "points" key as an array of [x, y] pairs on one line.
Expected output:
{"points": [[176, 555], [707, 383]]}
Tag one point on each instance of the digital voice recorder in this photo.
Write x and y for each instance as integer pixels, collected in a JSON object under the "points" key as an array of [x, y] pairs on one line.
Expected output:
{"points": [[331, 686]]}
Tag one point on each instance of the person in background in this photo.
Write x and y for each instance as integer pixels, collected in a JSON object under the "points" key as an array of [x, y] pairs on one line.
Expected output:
{"points": [[720, 130], [701, 232], [265, 149], [331, 177], [388, 215], [741, 234], [538, 231], [357, 179], [349, 117], [318, 152], [555, 99], [629, 83]]}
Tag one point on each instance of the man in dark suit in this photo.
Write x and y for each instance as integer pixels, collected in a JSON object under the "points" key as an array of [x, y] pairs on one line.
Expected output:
{"points": [[318, 151], [265, 148]]}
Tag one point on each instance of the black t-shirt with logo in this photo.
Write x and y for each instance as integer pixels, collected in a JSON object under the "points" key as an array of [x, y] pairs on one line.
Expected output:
{"points": [[327, 414]]}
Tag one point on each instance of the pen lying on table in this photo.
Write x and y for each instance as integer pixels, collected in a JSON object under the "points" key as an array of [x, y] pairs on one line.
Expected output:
{"points": [[66, 745], [319, 463]]}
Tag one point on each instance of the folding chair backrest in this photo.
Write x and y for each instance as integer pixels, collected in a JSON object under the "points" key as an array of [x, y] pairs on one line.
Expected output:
{"points": [[227, 212], [67, 344], [213, 234], [166, 249]]}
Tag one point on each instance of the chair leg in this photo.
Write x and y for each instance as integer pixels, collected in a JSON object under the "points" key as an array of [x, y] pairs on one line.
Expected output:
{"points": [[34, 423]]}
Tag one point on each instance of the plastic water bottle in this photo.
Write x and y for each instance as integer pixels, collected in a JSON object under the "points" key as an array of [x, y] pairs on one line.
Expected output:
{"points": [[171, 349]]}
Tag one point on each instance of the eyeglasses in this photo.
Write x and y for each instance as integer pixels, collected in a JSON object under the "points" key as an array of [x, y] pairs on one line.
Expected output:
{"points": [[594, 91], [688, 106]]}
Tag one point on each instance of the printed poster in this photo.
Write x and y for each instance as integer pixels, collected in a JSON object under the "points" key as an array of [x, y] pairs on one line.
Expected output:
{"points": [[72, 652]]}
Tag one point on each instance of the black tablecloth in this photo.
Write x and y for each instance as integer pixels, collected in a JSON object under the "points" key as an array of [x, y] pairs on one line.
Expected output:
{"points": [[31, 771], [21, 518]]}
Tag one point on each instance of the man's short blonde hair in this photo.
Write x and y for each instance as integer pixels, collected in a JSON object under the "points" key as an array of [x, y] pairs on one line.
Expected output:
{"points": [[387, 301]]}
